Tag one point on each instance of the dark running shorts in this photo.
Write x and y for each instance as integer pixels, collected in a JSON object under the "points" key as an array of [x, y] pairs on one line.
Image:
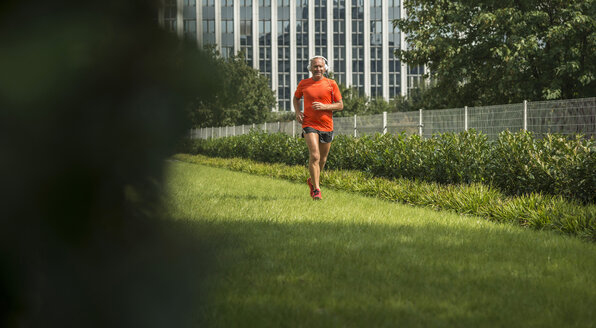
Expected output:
{"points": [[324, 136]]}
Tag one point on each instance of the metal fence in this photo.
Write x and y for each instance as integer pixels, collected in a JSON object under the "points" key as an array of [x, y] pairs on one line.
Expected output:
{"points": [[570, 117]]}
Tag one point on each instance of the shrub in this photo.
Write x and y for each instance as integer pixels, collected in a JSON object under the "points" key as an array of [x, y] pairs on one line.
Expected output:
{"points": [[516, 163], [520, 164]]}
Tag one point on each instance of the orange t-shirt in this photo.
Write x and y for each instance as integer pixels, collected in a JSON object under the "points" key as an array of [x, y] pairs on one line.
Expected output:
{"points": [[324, 91]]}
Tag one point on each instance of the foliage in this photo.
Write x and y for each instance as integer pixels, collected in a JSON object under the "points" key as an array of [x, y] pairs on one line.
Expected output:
{"points": [[355, 103], [445, 158], [422, 97], [92, 97], [257, 145], [516, 163], [530, 210], [243, 95], [285, 116], [482, 53], [553, 164]]}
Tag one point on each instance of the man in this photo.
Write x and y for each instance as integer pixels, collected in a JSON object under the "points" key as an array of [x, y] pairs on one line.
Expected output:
{"points": [[321, 98]]}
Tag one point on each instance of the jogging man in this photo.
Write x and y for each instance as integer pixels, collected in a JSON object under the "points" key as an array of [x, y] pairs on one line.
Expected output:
{"points": [[321, 98]]}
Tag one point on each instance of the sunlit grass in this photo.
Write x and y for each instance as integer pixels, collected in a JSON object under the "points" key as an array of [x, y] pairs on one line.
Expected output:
{"points": [[282, 259]]}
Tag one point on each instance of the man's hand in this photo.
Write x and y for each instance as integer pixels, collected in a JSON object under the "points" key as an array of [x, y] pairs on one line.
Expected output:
{"points": [[299, 116], [319, 106], [331, 107]]}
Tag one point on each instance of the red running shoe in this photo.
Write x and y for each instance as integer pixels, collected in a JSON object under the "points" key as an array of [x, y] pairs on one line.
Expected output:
{"points": [[312, 188], [317, 195]]}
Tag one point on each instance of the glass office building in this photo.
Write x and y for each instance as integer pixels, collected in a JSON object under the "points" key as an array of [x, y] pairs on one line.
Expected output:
{"points": [[278, 37]]}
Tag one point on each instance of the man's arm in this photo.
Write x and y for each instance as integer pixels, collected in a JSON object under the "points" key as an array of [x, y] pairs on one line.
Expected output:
{"points": [[299, 114], [333, 107]]}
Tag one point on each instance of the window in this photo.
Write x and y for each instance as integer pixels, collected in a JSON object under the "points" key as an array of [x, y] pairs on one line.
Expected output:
{"points": [[209, 26], [227, 26], [283, 55], [170, 15], [264, 27], [320, 22], [209, 31], [301, 39], [190, 26]]}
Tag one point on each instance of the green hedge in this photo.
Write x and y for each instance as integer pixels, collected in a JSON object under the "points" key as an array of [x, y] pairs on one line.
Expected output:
{"points": [[515, 163]]}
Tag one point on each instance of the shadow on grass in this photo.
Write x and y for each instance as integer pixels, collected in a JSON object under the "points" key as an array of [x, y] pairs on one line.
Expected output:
{"points": [[321, 274], [145, 273]]}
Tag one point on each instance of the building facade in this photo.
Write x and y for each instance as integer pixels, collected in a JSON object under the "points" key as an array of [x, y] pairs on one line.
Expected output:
{"points": [[278, 37]]}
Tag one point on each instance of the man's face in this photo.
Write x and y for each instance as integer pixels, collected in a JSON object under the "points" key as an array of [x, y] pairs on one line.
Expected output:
{"points": [[317, 67]]}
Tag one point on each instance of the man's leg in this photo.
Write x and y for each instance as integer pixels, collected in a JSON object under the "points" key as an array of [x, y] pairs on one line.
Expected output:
{"points": [[314, 159], [323, 153]]}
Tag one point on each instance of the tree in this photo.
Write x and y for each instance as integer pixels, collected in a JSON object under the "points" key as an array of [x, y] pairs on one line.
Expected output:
{"points": [[490, 52], [354, 102], [243, 97]]}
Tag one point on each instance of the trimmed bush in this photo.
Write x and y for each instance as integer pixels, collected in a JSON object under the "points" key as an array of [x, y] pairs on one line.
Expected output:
{"points": [[515, 163], [556, 165]]}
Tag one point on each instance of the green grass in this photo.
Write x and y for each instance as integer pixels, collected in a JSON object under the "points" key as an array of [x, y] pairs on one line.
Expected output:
{"points": [[283, 260]]}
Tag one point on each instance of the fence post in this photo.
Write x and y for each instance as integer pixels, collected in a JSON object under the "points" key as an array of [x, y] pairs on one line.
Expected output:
{"points": [[525, 115], [355, 127], [234, 130], [253, 126], [466, 118], [243, 129], [420, 123], [384, 122], [293, 128], [265, 127], [278, 126]]}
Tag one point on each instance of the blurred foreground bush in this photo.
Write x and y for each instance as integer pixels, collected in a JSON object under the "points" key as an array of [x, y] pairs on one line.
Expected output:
{"points": [[92, 97]]}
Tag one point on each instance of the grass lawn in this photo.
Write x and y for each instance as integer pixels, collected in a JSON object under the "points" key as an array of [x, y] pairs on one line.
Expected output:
{"points": [[283, 260]]}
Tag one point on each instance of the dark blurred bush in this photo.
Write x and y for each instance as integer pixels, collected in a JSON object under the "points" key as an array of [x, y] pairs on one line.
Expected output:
{"points": [[92, 98]]}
